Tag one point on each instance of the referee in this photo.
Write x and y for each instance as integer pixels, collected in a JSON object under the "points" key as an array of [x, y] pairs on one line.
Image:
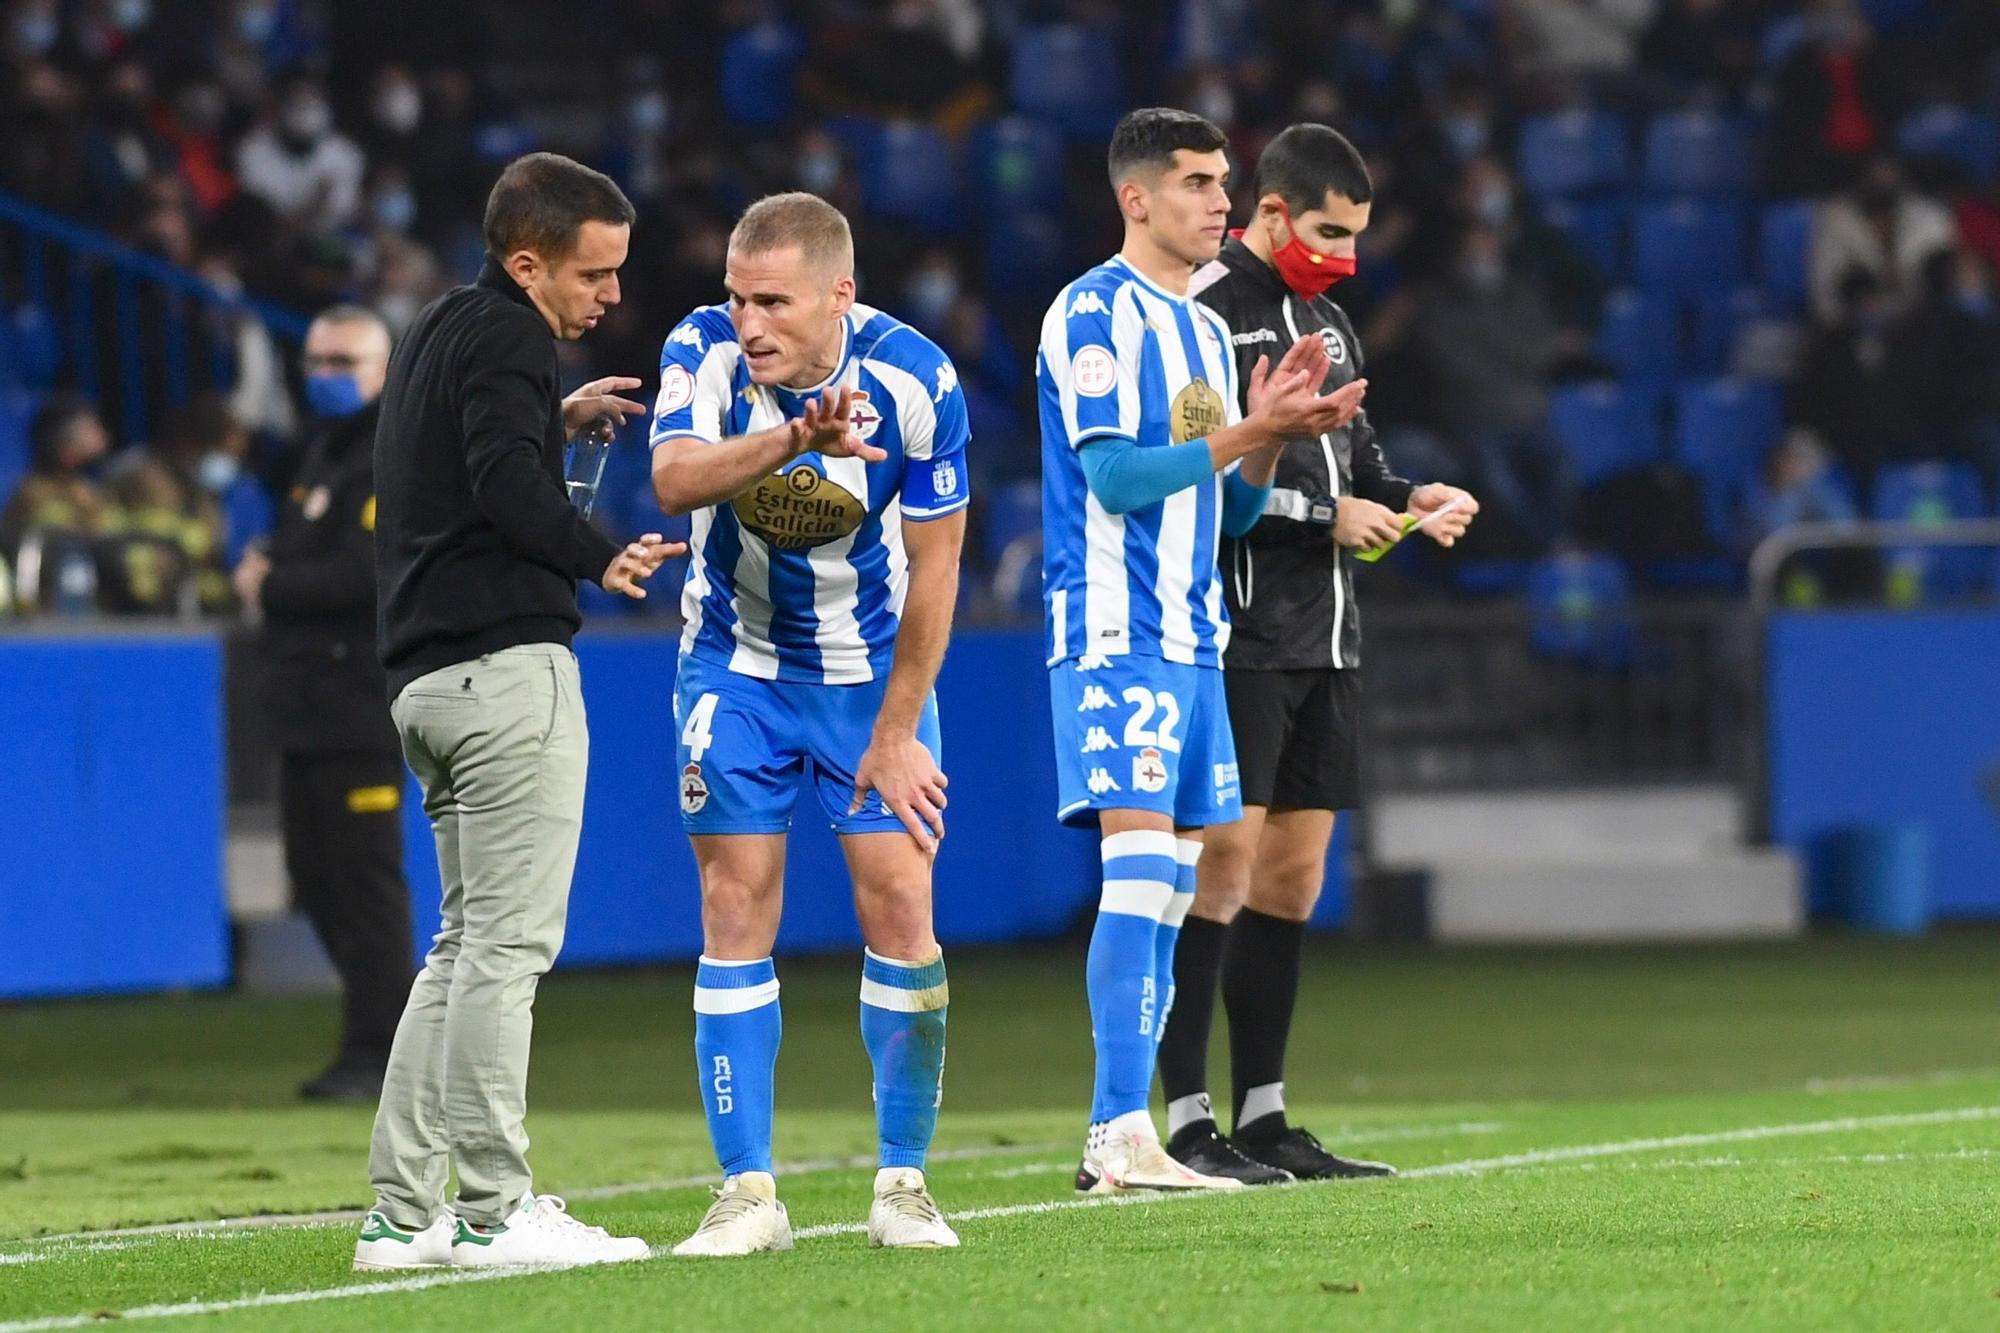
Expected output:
{"points": [[478, 553], [1292, 670]]}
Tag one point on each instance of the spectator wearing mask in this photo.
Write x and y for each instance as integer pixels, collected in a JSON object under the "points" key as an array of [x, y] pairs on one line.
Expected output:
{"points": [[66, 439], [173, 512], [1842, 389], [340, 775], [1800, 484], [300, 164], [1832, 103], [1882, 228]]}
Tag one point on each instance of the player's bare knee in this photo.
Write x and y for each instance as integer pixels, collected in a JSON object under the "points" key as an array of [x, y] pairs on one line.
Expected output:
{"points": [[895, 916], [1287, 891]]}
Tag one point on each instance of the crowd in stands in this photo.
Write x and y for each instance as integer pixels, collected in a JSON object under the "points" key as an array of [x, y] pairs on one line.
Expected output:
{"points": [[1654, 277]]}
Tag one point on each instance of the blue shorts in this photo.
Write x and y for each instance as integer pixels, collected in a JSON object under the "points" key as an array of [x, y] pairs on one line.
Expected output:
{"points": [[1141, 733], [744, 744]]}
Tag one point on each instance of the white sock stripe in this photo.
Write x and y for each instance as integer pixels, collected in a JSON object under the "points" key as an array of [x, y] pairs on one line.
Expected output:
{"points": [[899, 962], [903, 1001], [706, 961], [1135, 897], [1176, 910], [1137, 842], [1187, 850], [734, 999], [1262, 1100]]}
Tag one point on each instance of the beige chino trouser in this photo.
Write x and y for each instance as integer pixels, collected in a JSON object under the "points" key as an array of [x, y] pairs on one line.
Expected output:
{"points": [[500, 746]]}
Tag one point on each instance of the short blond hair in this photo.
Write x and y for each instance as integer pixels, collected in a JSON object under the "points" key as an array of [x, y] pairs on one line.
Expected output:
{"points": [[817, 228]]}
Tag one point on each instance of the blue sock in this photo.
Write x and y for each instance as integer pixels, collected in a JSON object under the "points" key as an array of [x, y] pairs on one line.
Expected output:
{"points": [[1139, 875], [736, 1030], [1187, 852], [902, 1024]]}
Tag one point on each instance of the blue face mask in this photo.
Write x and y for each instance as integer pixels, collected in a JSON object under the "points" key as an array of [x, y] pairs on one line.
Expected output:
{"points": [[334, 395], [217, 472]]}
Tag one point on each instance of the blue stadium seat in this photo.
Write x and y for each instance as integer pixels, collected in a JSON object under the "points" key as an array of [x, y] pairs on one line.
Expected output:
{"points": [[1579, 611], [1028, 259], [30, 347], [1895, 18], [759, 67], [1721, 319], [1696, 152], [1008, 512], [1970, 139], [1069, 74], [1784, 243], [1605, 428], [17, 410], [1017, 162], [1722, 430], [1638, 338], [1572, 152], [1597, 227], [1686, 247], [1925, 494], [912, 175]]}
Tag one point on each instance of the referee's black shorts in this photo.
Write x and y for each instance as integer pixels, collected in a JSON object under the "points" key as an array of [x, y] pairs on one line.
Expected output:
{"points": [[1298, 737]]}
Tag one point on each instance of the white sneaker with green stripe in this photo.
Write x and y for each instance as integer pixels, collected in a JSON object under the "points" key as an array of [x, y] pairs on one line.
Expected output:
{"points": [[384, 1245], [541, 1234]]}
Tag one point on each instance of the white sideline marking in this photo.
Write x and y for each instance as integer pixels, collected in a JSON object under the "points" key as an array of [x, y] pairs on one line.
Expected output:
{"points": [[1475, 1166]]}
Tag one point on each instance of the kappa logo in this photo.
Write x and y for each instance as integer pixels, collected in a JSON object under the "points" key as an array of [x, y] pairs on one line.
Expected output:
{"points": [[1094, 661], [1148, 773], [694, 792], [1100, 781], [688, 336], [1336, 346], [1094, 698], [944, 478], [947, 380], [1251, 339], [1097, 739], [676, 389], [1087, 303]]}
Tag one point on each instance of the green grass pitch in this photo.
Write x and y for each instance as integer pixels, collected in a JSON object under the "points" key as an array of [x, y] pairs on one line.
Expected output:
{"points": [[1801, 1136]]}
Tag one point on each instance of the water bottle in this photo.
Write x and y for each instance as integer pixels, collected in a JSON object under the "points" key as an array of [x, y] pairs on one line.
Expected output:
{"points": [[76, 583], [587, 453]]}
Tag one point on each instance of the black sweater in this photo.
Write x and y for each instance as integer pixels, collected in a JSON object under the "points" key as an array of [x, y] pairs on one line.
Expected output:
{"points": [[476, 545]]}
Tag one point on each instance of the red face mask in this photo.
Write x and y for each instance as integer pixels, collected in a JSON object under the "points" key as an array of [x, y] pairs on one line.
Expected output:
{"points": [[1304, 270]]}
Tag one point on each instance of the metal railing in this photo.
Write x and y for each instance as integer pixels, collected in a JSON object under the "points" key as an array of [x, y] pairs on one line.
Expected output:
{"points": [[1768, 560], [134, 331]]}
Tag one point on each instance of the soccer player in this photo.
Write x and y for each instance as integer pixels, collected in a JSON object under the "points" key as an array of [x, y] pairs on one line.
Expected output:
{"points": [[1292, 670], [1146, 460], [820, 445]]}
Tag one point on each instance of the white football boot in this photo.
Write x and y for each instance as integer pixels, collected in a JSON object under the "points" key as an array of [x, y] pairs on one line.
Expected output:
{"points": [[541, 1234], [746, 1218], [904, 1216], [1115, 1162], [384, 1245]]}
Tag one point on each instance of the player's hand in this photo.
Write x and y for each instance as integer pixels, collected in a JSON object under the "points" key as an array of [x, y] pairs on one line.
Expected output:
{"points": [[600, 398], [248, 580], [825, 427], [1303, 362], [1429, 499], [902, 771], [1363, 525], [1288, 401], [636, 563]]}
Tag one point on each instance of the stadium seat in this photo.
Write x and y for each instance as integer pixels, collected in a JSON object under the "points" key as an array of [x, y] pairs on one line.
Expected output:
{"points": [[1720, 321], [1928, 494], [1017, 162], [1722, 430], [1605, 428], [757, 75], [1068, 74], [1579, 611], [1896, 18], [913, 177], [1009, 512], [1597, 227], [1638, 339], [1784, 242], [1696, 153], [30, 347], [1028, 259], [1968, 139], [17, 410], [1686, 247], [1572, 152]]}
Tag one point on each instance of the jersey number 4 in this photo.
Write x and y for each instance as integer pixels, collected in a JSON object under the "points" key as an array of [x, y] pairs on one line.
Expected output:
{"points": [[1145, 703], [696, 735]]}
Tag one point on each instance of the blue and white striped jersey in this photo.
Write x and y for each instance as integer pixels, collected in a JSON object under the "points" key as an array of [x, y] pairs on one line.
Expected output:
{"points": [[802, 577], [1120, 356]]}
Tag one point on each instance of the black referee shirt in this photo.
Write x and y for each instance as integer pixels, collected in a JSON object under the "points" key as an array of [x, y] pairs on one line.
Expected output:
{"points": [[1290, 589], [476, 545]]}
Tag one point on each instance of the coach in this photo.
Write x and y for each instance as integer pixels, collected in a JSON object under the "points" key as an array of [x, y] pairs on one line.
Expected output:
{"points": [[477, 554]]}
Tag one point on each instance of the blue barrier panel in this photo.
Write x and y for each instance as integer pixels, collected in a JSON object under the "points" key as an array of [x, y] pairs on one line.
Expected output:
{"points": [[1881, 717], [1006, 870], [111, 848]]}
